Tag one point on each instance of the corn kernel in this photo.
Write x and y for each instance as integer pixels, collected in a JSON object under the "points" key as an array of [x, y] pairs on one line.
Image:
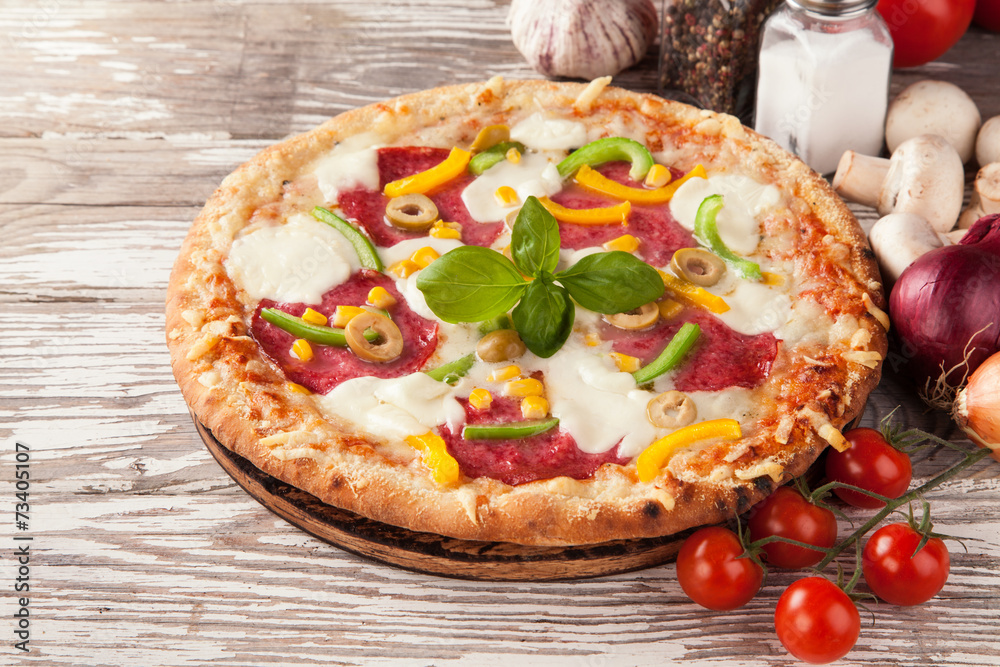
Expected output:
{"points": [[534, 407], [524, 387], [592, 340], [404, 268], [513, 155], [297, 388], [626, 363], [480, 398], [344, 314], [657, 176], [424, 256], [379, 297], [670, 309], [505, 373], [446, 230], [506, 196], [302, 350], [626, 242], [773, 279], [314, 317]]}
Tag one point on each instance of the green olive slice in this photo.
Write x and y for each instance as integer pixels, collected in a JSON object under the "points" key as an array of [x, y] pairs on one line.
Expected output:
{"points": [[671, 409], [412, 212], [698, 266], [500, 345], [386, 347], [642, 317]]}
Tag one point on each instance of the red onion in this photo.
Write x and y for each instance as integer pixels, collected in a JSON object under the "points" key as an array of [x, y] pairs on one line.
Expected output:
{"points": [[945, 309]]}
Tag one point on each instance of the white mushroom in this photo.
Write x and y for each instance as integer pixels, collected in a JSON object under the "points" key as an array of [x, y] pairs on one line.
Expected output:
{"points": [[934, 107], [988, 142], [985, 198], [898, 239], [924, 176]]}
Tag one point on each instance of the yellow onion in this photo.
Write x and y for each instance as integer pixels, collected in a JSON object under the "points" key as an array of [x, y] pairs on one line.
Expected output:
{"points": [[977, 406]]}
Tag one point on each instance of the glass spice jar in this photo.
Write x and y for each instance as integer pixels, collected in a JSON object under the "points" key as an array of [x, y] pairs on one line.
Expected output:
{"points": [[824, 76], [708, 52]]}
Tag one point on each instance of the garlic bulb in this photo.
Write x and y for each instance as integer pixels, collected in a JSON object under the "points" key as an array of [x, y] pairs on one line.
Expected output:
{"points": [[582, 38]]}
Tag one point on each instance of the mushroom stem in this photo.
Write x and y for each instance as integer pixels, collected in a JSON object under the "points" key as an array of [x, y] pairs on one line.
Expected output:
{"points": [[898, 239], [859, 178], [985, 199]]}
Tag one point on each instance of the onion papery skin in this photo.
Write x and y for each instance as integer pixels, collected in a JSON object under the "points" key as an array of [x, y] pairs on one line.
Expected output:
{"points": [[945, 309], [977, 406]]}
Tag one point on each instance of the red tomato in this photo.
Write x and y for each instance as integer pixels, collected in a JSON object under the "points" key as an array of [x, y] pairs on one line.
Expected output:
{"points": [[922, 30], [711, 572], [988, 14], [870, 463], [816, 621], [898, 576], [786, 513]]}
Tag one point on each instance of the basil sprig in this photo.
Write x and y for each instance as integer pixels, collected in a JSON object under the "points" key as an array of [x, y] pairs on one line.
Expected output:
{"points": [[472, 284]]}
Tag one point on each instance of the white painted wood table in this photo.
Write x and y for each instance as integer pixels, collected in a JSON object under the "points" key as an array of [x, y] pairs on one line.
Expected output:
{"points": [[117, 120]]}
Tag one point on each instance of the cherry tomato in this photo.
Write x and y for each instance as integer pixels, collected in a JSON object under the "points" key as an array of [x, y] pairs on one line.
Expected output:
{"points": [[787, 513], [898, 576], [869, 463], [922, 30], [712, 574], [816, 621], [988, 14]]}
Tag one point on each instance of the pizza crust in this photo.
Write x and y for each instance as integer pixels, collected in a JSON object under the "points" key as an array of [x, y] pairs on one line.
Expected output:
{"points": [[244, 399]]}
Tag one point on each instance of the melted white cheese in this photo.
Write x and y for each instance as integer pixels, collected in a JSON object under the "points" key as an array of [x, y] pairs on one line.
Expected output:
{"points": [[353, 163], [535, 174], [547, 133], [394, 408], [755, 308], [295, 262], [745, 201]]}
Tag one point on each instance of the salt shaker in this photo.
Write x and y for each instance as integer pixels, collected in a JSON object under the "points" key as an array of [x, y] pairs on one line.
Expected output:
{"points": [[823, 80]]}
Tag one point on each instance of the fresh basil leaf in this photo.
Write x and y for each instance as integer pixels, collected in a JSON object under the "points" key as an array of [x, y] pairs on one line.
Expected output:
{"points": [[544, 317], [471, 284], [534, 240], [611, 282]]}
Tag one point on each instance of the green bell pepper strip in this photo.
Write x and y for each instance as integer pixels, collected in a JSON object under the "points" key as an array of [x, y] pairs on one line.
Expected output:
{"points": [[508, 431], [607, 150], [482, 161], [707, 232], [671, 355], [451, 371], [366, 251], [501, 321], [314, 333]]}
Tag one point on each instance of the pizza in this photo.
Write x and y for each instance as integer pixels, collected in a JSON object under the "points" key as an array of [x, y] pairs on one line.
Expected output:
{"points": [[527, 311]]}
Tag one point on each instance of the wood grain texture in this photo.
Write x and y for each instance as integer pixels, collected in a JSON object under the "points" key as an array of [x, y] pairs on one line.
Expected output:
{"points": [[117, 120]]}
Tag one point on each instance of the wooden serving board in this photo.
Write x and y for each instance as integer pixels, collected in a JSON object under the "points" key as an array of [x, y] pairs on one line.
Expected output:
{"points": [[434, 554]]}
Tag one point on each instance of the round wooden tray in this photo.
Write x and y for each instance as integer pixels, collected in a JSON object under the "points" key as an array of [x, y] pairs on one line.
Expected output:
{"points": [[434, 554]]}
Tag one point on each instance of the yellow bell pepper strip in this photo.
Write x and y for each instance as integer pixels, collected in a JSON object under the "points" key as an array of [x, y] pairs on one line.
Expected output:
{"points": [[693, 295], [452, 167], [608, 150], [492, 155], [366, 251], [451, 371], [708, 233], [313, 333], [509, 431], [595, 181], [671, 355], [434, 453], [611, 215], [652, 459]]}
